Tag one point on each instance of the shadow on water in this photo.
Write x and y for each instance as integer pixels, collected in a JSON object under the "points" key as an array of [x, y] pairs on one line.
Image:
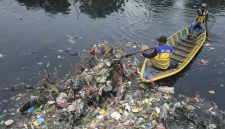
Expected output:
{"points": [[50, 6], [100, 8]]}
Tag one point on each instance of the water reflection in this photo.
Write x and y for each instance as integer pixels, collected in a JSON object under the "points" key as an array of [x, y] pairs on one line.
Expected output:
{"points": [[93, 8], [214, 6], [156, 6], [164, 3], [50, 6], [100, 8]]}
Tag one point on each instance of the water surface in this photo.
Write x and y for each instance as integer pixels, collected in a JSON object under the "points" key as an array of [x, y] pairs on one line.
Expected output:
{"points": [[33, 33]]}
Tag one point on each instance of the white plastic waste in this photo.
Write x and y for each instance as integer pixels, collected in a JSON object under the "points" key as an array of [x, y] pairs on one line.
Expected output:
{"points": [[166, 89], [116, 115]]}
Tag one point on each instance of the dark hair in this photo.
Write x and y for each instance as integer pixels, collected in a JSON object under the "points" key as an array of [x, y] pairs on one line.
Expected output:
{"points": [[162, 39]]}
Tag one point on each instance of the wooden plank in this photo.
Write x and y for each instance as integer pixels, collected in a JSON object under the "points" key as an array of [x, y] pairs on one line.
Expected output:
{"points": [[188, 41], [184, 47], [181, 48], [192, 38], [179, 54], [187, 45], [177, 58]]}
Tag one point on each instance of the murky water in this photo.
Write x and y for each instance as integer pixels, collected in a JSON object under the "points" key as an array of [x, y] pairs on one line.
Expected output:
{"points": [[33, 34]]}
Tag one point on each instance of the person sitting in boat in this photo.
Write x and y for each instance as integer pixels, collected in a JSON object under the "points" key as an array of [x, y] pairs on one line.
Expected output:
{"points": [[161, 55]]}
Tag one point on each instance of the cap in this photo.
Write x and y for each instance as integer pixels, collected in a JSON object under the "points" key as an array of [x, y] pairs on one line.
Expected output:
{"points": [[162, 39], [203, 5]]}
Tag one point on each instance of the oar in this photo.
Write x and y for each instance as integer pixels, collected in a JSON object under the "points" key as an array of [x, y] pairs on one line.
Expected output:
{"points": [[131, 54]]}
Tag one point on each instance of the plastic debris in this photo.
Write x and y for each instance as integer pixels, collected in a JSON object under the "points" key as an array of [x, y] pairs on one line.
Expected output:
{"points": [[160, 126], [39, 120], [1, 55], [71, 39], [166, 89], [127, 107], [210, 109], [116, 115], [60, 57], [60, 51], [48, 64], [102, 93], [103, 112], [31, 110], [8, 122], [203, 62], [61, 100], [208, 45], [212, 48], [129, 83], [40, 63], [51, 102], [212, 92], [135, 110], [211, 126], [157, 110]]}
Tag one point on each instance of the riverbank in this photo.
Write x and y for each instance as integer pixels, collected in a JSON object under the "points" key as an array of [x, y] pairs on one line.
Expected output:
{"points": [[104, 92]]}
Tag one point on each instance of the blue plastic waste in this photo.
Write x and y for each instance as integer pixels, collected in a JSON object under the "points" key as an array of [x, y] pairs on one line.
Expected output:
{"points": [[30, 110]]}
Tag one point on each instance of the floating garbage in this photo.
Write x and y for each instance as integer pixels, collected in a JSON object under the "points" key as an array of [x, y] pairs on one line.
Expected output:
{"points": [[212, 92], [1, 55], [39, 121], [60, 51], [48, 64], [71, 38], [60, 57], [116, 115], [208, 45], [72, 53], [166, 89], [40, 63], [103, 93], [61, 100], [203, 62], [8, 122], [212, 48]]}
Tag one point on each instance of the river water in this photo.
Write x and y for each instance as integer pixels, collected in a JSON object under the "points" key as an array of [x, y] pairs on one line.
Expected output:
{"points": [[34, 32]]}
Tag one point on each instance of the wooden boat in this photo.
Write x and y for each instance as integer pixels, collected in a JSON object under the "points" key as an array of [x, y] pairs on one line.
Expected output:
{"points": [[186, 44]]}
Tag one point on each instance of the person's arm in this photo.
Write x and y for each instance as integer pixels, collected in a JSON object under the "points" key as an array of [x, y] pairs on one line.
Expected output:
{"points": [[199, 12], [151, 55], [207, 16]]}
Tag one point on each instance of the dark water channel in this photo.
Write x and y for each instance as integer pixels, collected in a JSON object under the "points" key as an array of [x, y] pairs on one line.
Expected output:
{"points": [[34, 32]]}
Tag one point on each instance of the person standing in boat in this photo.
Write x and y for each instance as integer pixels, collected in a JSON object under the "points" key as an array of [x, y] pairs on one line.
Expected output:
{"points": [[202, 16], [161, 55]]}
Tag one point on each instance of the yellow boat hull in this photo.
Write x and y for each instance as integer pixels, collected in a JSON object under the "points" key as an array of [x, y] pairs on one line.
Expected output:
{"points": [[185, 49]]}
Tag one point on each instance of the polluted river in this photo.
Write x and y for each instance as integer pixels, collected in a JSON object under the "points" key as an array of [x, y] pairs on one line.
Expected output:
{"points": [[60, 65]]}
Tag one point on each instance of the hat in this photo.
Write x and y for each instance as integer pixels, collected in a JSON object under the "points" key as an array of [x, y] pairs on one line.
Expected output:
{"points": [[203, 5], [162, 39]]}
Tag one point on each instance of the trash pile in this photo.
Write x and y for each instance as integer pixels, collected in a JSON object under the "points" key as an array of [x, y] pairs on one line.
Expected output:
{"points": [[103, 93]]}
